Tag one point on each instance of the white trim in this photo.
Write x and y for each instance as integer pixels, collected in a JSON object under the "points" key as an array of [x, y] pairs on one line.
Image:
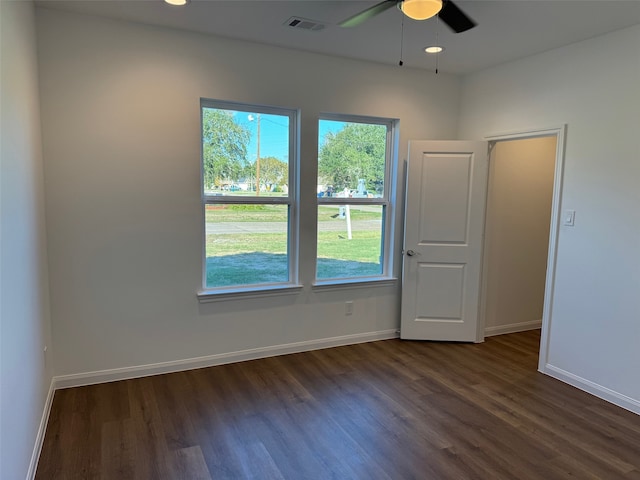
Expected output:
{"points": [[588, 386], [560, 134], [520, 134], [37, 447], [388, 199], [244, 200], [292, 199], [256, 291], [512, 328], [361, 282], [352, 201], [553, 246], [112, 375], [481, 330]]}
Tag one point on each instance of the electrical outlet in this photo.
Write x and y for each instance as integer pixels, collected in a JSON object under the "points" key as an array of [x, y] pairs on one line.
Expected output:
{"points": [[348, 308]]}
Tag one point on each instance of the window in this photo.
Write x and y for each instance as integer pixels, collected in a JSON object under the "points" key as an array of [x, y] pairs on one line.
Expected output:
{"points": [[248, 193], [354, 165]]}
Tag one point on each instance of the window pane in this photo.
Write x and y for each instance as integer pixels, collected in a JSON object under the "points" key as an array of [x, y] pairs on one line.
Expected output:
{"points": [[345, 255], [246, 244], [245, 153], [351, 158]]}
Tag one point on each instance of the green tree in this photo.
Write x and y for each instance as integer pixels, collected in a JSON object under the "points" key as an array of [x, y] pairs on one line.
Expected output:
{"points": [[357, 151], [273, 171], [224, 146]]}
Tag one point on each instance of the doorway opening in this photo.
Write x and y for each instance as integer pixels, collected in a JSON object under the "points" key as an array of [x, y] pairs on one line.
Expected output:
{"points": [[521, 227]]}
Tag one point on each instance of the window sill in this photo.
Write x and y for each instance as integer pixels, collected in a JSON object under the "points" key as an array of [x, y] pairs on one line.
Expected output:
{"points": [[208, 296], [326, 285]]}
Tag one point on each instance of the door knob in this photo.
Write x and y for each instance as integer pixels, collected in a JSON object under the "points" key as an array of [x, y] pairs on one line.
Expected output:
{"points": [[411, 253]]}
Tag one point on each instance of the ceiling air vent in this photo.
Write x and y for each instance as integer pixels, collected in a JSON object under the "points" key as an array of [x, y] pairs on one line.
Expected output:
{"points": [[304, 24]]}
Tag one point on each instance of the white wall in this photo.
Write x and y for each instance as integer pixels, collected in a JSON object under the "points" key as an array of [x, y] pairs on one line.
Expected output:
{"points": [[120, 109], [517, 233], [591, 86], [24, 308]]}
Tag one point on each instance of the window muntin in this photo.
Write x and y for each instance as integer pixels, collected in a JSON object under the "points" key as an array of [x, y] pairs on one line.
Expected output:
{"points": [[248, 193], [354, 165]]}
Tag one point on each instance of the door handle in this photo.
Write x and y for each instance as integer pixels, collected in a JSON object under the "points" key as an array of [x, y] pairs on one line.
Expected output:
{"points": [[411, 253]]}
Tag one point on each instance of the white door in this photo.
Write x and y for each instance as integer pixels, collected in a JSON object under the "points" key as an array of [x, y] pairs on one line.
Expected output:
{"points": [[444, 229]]}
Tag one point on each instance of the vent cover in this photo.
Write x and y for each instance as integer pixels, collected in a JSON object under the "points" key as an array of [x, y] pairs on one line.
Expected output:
{"points": [[304, 24]]}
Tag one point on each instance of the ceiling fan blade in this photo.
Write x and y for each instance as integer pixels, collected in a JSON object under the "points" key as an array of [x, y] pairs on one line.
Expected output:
{"points": [[455, 18], [365, 15]]}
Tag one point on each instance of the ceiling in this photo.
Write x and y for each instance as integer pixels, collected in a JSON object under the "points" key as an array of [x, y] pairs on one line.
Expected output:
{"points": [[507, 29]]}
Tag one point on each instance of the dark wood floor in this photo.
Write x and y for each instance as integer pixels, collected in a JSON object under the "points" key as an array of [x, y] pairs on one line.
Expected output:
{"points": [[384, 410]]}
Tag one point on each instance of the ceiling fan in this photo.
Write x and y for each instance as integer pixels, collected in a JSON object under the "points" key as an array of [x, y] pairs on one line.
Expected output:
{"points": [[446, 10]]}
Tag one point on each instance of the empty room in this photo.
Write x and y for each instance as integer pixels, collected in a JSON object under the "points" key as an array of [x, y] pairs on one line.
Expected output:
{"points": [[280, 239]]}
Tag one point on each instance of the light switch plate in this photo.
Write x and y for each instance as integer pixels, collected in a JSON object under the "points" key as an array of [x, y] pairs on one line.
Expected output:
{"points": [[569, 218]]}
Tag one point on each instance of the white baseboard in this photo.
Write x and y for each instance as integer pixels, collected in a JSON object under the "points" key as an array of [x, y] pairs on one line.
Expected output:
{"points": [[37, 448], [512, 328], [112, 375], [588, 386]]}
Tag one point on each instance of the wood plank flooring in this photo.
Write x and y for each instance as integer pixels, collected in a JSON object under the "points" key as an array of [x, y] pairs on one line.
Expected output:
{"points": [[383, 410]]}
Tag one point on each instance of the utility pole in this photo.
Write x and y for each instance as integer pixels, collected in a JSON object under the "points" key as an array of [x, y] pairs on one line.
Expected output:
{"points": [[258, 159]]}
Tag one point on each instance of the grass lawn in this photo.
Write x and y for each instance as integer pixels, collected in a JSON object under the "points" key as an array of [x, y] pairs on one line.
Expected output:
{"points": [[228, 257]]}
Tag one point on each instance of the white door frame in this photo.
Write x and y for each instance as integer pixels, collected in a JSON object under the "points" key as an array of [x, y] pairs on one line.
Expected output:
{"points": [[560, 134]]}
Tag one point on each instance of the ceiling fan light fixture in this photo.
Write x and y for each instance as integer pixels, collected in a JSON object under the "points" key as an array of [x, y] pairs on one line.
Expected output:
{"points": [[178, 3], [433, 49], [421, 9]]}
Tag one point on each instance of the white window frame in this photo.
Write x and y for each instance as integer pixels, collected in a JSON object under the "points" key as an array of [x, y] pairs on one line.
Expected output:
{"points": [[291, 201], [387, 202]]}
